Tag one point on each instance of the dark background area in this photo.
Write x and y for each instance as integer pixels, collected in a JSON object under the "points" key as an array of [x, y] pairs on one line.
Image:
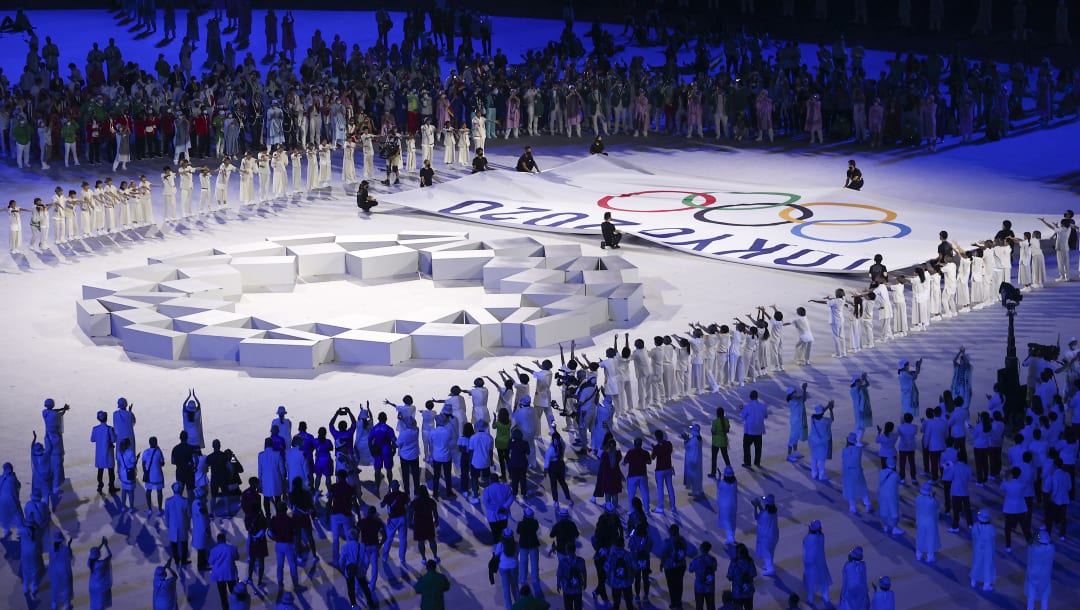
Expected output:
{"points": [[883, 32]]}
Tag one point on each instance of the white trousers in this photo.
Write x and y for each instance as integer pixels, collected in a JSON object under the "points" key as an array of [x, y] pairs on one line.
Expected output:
{"points": [[70, 152]]}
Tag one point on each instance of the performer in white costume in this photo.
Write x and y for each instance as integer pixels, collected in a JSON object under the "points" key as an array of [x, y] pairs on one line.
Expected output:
{"points": [[221, 184], [427, 141], [168, 191]]}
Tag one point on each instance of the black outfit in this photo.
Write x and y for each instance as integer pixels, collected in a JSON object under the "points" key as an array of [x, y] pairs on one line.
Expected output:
{"points": [[945, 249], [597, 148], [878, 273], [182, 459], [427, 176], [854, 179], [611, 236], [479, 164], [748, 441], [565, 533], [365, 201], [526, 163]]}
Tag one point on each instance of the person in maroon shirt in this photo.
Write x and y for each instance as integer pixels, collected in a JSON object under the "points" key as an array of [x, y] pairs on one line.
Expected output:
{"points": [[424, 520], [372, 534], [138, 151], [397, 504], [251, 502], [283, 532], [661, 454], [637, 461], [342, 501]]}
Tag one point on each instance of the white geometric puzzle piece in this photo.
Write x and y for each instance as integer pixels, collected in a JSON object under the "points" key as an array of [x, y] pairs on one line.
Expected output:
{"points": [[213, 317], [154, 341], [257, 248], [446, 341], [219, 342], [122, 319], [193, 288], [318, 259], [184, 306], [104, 288], [266, 271], [552, 330], [390, 261], [227, 277], [372, 347], [150, 273], [459, 265], [93, 318]]}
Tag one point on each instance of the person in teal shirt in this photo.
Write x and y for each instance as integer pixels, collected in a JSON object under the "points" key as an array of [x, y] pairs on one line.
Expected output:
{"points": [[432, 586]]}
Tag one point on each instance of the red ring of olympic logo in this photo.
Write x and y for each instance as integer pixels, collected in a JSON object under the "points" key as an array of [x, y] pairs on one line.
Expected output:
{"points": [[605, 202]]}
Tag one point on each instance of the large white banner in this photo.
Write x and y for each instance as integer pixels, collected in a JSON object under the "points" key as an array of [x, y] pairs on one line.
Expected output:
{"points": [[804, 228]]}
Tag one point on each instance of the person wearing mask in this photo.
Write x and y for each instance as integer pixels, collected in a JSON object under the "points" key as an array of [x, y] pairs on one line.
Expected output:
{"points": [[526, 163], [480, 162]]}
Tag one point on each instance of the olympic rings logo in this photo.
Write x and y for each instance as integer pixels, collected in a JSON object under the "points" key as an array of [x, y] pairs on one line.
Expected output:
{"points": [[706, 208]]}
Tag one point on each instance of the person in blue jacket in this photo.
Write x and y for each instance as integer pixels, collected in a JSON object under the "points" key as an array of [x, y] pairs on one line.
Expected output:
{"points": [[165, 587], [100, 565]]}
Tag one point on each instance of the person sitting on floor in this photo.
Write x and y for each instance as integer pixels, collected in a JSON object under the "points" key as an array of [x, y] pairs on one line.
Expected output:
{"points": [[364, 200], [854, 179], [612, 236]]}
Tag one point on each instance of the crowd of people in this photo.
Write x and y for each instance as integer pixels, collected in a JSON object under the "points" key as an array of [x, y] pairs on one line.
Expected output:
{"points": [[391, 99], [374, 476]]}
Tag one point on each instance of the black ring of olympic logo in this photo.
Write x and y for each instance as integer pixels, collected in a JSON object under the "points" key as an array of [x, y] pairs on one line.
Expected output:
{"points": [[702, 215]]}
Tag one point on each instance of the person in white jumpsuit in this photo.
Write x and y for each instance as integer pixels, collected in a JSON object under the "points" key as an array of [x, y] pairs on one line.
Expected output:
{"points": [[427, 140], [187, 182], [168, 191], [279, 163], [348, 161], [837, 320], [479, 129], [297, 172], [221, 183], [247, 180], [15, 226], [59, 205], [367, 144], [1061, 231]]}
